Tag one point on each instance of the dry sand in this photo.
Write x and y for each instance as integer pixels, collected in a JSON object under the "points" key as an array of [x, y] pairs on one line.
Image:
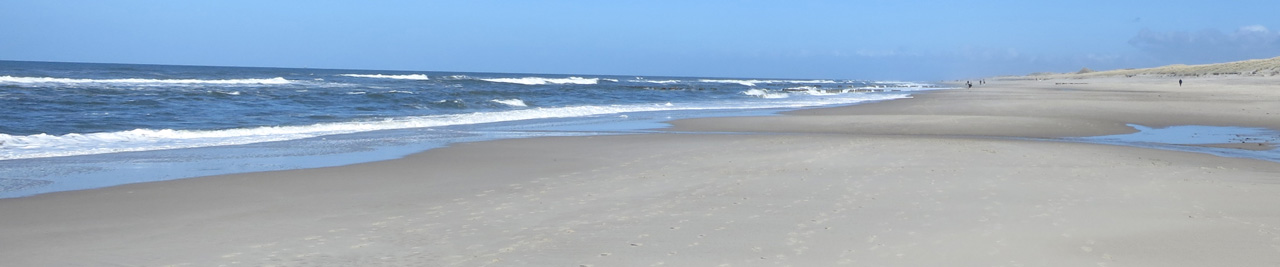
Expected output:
{"points": [[932, 181]]}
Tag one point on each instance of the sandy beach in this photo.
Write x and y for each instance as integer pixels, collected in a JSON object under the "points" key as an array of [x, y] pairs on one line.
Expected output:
{"points": [[971, 177]]}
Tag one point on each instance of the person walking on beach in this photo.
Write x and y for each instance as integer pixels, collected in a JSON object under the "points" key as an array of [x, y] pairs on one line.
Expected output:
{"points": [[1179, 82]]}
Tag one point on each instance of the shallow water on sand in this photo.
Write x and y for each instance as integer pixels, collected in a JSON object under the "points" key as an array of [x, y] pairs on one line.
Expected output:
{"points": [[1190, 138]]}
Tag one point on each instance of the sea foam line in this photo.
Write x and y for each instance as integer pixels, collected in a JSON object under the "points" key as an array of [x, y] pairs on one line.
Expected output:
{"points": [[44, 145], [655, 81], [754, 82], [541, 80], [11, 79], [763, 93], [515, 102], [422, 77]]}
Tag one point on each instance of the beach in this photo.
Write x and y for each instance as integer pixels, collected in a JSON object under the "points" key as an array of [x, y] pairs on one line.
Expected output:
{"points": [[964, 177]]}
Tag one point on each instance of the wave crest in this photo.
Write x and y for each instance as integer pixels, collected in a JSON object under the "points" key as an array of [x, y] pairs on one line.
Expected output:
{"points": [[422, 77], [511, 102], [542, 81], [45, 145], [656, 81], [31, 80], [754, 82], [762, 93]]}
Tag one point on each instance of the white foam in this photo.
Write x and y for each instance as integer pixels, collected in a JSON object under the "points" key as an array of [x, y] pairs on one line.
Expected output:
{"points": [[754, 82], [541, 80], [44, 145], [815, 91], [905, 84], [31, 80], [742, 82], [511, 102], [763, 93], [422, 77], [657, 81]]}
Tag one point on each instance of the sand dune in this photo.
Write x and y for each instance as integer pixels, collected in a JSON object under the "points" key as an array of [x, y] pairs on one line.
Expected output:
{"points": [[1255, 67]]}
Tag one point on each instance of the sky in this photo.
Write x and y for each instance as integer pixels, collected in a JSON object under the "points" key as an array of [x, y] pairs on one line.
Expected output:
{"points": [[869, 40]]}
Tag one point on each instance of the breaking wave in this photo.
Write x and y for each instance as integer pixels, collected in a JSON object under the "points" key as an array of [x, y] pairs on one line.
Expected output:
{"points": [[34, 80], [511, 102], [656, 81], [762, 93], [541, 80], [422, 77], [45, 145], [755, 82]]}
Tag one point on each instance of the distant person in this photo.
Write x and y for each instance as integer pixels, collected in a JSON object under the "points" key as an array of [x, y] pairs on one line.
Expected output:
{"points": [[969, 83], [1179, 82]]}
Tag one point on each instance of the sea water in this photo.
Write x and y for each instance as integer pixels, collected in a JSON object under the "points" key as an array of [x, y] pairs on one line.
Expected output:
{"points": [[1191, 138], [71, 126]]}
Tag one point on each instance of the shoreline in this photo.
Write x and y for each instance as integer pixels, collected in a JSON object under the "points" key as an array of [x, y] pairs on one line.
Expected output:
{"points": [[1068, 110], [347, 149], [937, 179]]}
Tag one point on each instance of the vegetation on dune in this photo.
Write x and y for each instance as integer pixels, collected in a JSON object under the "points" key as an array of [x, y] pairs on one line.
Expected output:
{"points": [[1255, 67]]}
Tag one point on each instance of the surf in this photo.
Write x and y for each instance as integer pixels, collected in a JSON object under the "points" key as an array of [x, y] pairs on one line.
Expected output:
{"points": [[542, 81], [421, 77], [140, 81], [75, 144]]}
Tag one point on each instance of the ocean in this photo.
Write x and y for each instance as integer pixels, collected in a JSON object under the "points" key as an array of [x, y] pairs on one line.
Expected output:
{"points": [[74, 126]]}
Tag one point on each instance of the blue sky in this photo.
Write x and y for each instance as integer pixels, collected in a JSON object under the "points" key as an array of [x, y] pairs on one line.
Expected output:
{"points": [[879, 40]]}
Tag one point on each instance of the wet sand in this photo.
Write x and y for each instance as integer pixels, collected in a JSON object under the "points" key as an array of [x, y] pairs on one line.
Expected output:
{"points": [[948, 178]]}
